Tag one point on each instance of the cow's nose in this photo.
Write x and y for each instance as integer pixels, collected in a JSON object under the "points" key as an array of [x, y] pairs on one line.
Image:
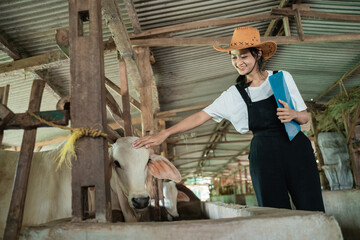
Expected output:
{"points": [[140, 203]]}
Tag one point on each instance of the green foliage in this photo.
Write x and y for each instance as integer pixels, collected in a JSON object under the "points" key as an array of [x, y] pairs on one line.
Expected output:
{"points": [[345, 102]]}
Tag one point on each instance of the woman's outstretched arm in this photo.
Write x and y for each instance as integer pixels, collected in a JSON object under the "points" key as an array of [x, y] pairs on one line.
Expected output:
{"points": [[188, 123]]}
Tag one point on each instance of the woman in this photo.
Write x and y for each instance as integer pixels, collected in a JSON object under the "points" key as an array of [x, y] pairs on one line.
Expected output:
{"points": [[278, 167]]}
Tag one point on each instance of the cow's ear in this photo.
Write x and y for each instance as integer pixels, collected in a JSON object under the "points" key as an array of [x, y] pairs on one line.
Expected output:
{"points": [[162, 168], [182, 197]]}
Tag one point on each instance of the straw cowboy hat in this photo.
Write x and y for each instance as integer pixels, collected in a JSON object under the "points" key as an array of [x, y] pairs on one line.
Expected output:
{"points": [[247, 37]]}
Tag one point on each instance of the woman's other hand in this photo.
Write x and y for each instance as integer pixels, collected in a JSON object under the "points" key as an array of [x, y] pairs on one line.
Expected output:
{"points": [[286, 114]]}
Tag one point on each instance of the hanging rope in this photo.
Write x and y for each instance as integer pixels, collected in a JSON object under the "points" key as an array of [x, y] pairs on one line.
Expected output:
{"points": [[68, 149]]}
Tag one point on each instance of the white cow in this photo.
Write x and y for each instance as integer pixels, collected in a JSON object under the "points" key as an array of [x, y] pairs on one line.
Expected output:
{"points": [[171, 197], [49, 191]]}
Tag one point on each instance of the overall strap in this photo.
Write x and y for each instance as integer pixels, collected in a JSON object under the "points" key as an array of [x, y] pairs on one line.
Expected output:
{"points": [[244, 95]]}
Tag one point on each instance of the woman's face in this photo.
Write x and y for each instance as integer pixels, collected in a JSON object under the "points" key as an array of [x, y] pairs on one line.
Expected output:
{"points": [[243, 61]]}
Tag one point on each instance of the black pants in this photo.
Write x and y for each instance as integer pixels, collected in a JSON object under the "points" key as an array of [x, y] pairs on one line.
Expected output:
{"points": [[279, 167]]}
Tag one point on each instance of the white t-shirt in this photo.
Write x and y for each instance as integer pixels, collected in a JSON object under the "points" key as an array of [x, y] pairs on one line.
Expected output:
{"points": [[231, 106]]}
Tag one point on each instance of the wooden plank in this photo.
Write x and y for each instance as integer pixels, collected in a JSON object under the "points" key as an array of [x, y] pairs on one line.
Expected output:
{"points": [[5, 116], [115, 109], [4, 96], [39, 62], [273, 22], [58, 58], [7, 47], [125, 96], [129, 5], [286, 25], [112, 15], [16, 210], [25, 121], [143, 58], [173, 112], [117, 89], [317, 15], [206, 24], [280, 40], [88, 86], [343, 78], [299, 27], [207, 143], [164, 151]]}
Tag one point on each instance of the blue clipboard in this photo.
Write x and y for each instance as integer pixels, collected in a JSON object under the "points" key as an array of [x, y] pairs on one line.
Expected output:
{"points": [[281, 91]]}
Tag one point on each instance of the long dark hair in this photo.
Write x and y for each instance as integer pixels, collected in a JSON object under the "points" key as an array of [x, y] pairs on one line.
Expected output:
{"points": [[241, 80]]}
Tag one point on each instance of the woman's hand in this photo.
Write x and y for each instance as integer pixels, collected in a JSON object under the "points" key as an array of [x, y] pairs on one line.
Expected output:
{"points": [[286, 114], [151, 140]]}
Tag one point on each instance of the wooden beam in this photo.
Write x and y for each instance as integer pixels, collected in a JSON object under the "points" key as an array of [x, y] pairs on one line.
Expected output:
{"points": [[4, 94], [114, 108], [299, 27], [56, 58], [206, 24], [340, 80], [43, 61], [286, 25], [207, 143], [117, 89], [25, 121], [281, 40], [317, 15], [143, 58], [171, 113], [16, 209], [273, 22], [129, 5], [111, 13], [125, 96], [8, 48]]}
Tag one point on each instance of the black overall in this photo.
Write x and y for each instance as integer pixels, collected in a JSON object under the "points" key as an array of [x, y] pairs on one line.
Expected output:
{"points": [[279, 166]]}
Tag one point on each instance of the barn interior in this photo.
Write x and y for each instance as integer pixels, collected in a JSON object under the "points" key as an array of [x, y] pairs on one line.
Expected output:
{"points": [[160, 67]]}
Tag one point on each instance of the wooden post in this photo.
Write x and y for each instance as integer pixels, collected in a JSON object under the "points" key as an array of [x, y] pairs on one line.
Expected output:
{"points": [[88, 108], [246, 181], [324, 181], [240, 176], [143, 57], [356, 155], [4, 95], [125, 97], [16, 210], [164, 151]]}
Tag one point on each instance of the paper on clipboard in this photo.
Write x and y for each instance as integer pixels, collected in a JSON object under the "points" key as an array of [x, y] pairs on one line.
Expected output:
{"points": [[281, 91]]}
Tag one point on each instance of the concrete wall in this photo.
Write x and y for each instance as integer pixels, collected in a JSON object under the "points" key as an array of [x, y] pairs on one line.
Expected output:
{"points": [[241, 199], [344, 205], [230, 222]]}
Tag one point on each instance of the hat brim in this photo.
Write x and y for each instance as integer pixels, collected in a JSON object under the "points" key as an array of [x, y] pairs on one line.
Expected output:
{"points": [[268, 48]]}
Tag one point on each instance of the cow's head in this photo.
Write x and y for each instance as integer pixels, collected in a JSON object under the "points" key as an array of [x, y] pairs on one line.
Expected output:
{"points": [[171, 196], [130, 166]]}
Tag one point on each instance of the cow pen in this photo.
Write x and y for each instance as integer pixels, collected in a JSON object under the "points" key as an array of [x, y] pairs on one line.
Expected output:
{"points": [[225, 221], [86, 109]]}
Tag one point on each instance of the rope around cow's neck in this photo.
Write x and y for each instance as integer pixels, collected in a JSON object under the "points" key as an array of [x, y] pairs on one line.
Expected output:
{"points": [[68, 149]]}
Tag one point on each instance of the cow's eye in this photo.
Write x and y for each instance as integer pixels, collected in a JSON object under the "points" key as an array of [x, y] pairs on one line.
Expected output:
{"points": [[117, 164]]}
